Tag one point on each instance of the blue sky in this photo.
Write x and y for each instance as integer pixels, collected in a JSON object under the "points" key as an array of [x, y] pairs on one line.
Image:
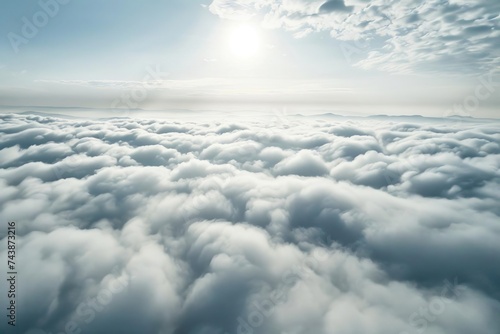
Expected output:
{"points": [[419, 57]]}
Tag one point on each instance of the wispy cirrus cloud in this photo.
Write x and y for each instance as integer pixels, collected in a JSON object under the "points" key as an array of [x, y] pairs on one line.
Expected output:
{"points": [[401, 36]]}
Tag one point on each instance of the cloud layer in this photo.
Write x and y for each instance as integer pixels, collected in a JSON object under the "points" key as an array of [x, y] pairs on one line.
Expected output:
{"points": [[289, 225], [395, 36]]}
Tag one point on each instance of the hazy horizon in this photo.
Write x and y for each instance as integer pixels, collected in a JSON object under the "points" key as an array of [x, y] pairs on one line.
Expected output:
{"points": [[432, 57]]}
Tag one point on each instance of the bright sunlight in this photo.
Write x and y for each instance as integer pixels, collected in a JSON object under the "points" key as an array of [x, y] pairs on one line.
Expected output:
{"points": [[244, 41]]}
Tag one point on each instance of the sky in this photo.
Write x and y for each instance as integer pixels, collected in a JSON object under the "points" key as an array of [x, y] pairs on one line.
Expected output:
{"points": [[245, 204], [436, 58]]}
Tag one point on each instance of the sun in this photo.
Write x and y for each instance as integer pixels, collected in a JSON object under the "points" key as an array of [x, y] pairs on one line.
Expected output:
{"points": [[244, 42]]}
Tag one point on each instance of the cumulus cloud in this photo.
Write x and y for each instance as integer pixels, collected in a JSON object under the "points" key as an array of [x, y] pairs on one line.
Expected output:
{"points": [[395, 36], [214, 227]]}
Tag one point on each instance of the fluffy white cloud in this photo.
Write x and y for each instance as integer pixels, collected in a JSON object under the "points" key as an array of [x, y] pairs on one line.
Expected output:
{"points": [[154, 226], [396, 36]]}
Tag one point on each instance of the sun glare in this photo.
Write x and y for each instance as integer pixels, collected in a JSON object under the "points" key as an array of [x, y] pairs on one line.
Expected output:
{"points": [[244, 41]]}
